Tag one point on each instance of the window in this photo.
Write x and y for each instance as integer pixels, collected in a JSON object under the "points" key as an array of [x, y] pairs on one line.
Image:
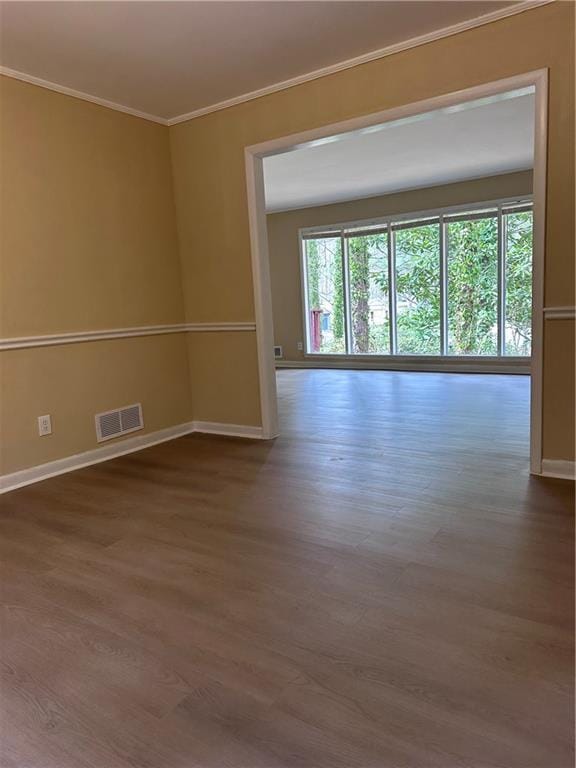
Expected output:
{"points": [[518, 288], [418, 289], [325, 295], [369, 293], [455, 283], [472, 258]]}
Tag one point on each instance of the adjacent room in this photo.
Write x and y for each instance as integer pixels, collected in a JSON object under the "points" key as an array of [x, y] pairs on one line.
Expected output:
{"points": [[411, 240], [408, 246], [287, 395]]}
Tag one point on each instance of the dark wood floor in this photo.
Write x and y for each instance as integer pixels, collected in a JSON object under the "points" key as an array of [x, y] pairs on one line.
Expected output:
{"points": [[384, 586]]}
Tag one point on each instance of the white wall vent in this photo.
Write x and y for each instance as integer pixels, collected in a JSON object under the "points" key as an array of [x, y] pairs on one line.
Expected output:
{"points": [[278, 354], [119, 422]]}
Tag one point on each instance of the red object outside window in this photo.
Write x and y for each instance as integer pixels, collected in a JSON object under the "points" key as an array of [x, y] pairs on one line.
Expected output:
{"points": [[316, 329]]}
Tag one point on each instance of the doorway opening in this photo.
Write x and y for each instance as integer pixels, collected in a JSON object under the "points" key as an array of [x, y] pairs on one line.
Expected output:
{"points": [[425, 280]]}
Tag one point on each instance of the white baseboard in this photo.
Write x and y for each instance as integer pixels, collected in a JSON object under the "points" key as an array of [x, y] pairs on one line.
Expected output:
{"points": [[566, 470], [232, 430], [40, 472], [428, 365], [550, 467]]}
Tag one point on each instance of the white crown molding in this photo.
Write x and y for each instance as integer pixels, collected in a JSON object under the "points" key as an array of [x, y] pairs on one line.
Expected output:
{"points": [[32, 80], [390, 50], [563, 470], [560, 313], [365, 58], [121, 447], [58, 339]]}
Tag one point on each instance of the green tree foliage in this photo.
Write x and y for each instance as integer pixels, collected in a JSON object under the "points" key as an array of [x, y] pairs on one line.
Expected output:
{"points": [[368, 266], [313, 259], [359, 262], [324, 279], [418, 290], [518, 283], [338, 304], [473, 286]]}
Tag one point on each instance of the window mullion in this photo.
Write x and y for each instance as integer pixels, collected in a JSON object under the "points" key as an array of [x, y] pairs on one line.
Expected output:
{"points": [[501, 282], [443, 288], [346, 290], [392, 291]]}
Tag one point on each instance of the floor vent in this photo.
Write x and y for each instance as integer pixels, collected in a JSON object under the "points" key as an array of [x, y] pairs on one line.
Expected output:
{"points": [[278, 354], [119, 422]]}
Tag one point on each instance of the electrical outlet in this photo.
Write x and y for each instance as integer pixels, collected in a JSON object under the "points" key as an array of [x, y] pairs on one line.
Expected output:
{"points": [[300, 346], [44, 425]]}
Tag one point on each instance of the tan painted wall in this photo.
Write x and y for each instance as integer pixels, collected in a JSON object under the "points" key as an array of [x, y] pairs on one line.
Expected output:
{"points": [[88, 241], [559, 389], [230, 399], [88, 236], [284, 250], [208, 163], [75, 381]]}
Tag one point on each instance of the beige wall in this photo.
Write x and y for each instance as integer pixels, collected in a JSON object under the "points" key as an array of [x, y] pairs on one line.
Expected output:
{"points": [[88, 237], [284, 248], [230, 399], [88, 241], [73, 382], [210, 188], [559, 389]]}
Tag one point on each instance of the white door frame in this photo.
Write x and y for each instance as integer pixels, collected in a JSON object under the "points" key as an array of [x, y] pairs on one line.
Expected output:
{"points": [[259, 239]]}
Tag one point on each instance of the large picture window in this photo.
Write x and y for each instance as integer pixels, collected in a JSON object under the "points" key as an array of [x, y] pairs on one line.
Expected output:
{"points": [[325, 295], [518, 293], [367, 259], [472, 258], [454, 283], [417, 261]]}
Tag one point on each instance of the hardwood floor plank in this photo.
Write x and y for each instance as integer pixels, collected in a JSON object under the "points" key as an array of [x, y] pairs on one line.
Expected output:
{"points": [[383, 586]]}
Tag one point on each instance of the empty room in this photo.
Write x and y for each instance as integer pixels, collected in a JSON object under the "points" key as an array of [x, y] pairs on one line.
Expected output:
{"points": [[287, 393], [408, 246]]}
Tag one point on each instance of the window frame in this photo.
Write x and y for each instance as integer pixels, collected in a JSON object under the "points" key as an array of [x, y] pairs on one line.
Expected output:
{"points": [[442, 216]]}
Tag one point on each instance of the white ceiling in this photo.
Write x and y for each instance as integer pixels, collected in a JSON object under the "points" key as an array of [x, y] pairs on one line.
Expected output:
{"points": [[481, 138], [167, 59]]}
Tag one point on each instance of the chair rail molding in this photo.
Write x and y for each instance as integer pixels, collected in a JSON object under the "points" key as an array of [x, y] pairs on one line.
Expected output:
{"points": [[559, 313], [57, 339]]}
